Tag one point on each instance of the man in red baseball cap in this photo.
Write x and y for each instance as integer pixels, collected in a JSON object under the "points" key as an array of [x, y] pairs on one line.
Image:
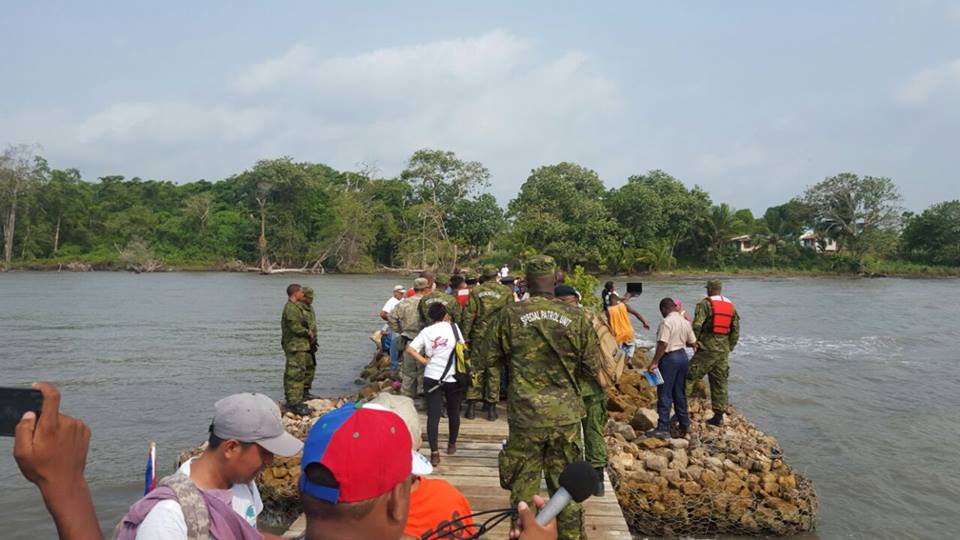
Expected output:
{"points": [[357, 467]]}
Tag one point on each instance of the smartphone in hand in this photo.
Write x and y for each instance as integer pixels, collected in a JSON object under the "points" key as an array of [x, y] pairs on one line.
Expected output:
{"points": [[635, 288], [13, 403]]}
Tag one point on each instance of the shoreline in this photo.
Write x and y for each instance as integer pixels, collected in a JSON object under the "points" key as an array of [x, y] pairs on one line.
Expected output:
{"points": [[686, 273]]}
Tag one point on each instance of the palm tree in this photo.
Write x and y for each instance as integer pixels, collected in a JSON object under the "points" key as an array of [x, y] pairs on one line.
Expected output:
{"points": [[657, 255], [721, 226], [774, 238]]}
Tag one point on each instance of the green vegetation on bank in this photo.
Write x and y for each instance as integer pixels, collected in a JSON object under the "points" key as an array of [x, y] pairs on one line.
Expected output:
{"points": [[438, 213]]}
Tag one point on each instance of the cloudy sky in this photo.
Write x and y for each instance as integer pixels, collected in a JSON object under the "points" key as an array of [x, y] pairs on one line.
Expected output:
{"points": [[751, 100]]}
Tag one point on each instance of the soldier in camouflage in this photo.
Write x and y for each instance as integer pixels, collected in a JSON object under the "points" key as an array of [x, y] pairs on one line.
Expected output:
{"points": [[550, 348], [485, 302], [306, 304], [438, 294], [715, 348], [594, 399], [405, 322], [295, 340]]}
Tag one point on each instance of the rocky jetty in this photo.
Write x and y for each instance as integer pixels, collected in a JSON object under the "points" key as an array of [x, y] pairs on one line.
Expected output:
{"points": [[727, 480], [719, 480]]}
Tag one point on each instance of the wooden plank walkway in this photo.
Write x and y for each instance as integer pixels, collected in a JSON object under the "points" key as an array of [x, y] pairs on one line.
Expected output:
{"points": [[473, 470]]}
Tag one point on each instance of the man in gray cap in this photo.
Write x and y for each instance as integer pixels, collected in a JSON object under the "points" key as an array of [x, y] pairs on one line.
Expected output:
{"points": [[245, 434]]}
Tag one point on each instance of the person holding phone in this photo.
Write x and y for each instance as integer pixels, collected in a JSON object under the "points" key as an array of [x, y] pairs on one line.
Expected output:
{"points": [[617, 314], [51, 452]]}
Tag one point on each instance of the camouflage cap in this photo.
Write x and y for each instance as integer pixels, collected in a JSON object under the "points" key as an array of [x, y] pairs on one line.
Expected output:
{"points": [[540, 266], [308, 292], [714, 285], [488, 270], [420, 283], [442, 279]]}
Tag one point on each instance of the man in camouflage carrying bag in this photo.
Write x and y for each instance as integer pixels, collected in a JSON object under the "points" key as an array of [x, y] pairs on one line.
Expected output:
{"points": [[548, 346]]}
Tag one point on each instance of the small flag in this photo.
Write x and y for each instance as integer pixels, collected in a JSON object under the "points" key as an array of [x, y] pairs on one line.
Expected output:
{"points": [[150, 476]]}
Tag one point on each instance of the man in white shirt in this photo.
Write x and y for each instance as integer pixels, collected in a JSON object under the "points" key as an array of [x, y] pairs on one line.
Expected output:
{"points": [[673, 335], [387, 336], [245, 435]]}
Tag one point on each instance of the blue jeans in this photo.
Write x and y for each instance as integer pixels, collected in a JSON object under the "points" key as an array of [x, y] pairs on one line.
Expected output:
{"points": [[397, 343], [673, 367], [629, 348]]}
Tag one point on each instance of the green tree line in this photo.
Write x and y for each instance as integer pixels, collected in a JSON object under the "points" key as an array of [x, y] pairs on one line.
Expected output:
{"points": [[438, 213]]}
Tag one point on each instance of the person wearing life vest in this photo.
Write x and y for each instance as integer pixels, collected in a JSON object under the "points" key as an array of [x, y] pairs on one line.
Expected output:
{"points": [[717, 327]]}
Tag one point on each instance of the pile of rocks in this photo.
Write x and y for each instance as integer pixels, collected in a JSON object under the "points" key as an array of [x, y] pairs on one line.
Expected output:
{"points": [[719, 480]]}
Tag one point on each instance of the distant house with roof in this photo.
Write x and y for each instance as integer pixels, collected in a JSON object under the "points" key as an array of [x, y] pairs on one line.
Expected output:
{"points": [[743, 243], [818, 243]]}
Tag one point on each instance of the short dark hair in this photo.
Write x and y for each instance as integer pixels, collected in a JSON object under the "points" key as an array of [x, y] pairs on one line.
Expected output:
{"points": [[455, 281], [608, 286], [214, 442], [437, 311], [320, 509], [292, 288], [667, 304]]}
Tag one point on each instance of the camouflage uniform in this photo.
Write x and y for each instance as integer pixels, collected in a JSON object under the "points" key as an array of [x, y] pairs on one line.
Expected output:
{"points": [[485, 302], [448, 301], [295, 339], [311, 314], [404, 320], [595, 402], [712, 358], [549, 348]]}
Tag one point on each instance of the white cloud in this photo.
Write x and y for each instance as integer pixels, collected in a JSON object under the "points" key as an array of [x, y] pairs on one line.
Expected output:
{"points": [[493, 97], [170, 122], [928, 82]]}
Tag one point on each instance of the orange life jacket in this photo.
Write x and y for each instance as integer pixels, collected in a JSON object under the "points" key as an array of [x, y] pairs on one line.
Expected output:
{"points": [[722, 314]]}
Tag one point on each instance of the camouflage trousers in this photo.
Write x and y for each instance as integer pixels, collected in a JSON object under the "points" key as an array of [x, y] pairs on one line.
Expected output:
{"points": [[714, 365], [485, 385], [411, 376], [533, 452], [309, 373], [594, 447], [294, 376]]}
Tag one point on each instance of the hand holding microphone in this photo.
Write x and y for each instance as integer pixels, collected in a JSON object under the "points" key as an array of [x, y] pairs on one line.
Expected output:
{"points": [[578, 481]]}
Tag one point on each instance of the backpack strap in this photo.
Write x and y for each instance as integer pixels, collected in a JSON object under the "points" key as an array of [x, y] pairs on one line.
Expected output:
{"points": [[194, 508], [453, 354]]}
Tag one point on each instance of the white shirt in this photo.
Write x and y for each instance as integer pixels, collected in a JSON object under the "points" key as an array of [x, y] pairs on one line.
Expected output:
{"points": [[676, 332], [388, 307], [165, 520], [436, 342]]}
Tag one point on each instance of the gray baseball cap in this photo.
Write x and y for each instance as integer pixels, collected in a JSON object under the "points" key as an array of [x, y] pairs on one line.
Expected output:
{"points": [[254, 418]]}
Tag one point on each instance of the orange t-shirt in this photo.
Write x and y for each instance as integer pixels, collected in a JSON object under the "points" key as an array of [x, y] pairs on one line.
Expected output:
{"points": [[436, 506], [620, 323]]}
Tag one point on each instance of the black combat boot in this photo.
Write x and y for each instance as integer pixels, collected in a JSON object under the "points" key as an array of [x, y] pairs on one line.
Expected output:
{"points": [[716, 420], [599, 491], [307, 396], [300, 409], [470, 414], [492, 412]]}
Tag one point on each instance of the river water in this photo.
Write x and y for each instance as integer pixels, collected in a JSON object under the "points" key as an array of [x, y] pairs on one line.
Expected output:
{"points": [[858, 379]]}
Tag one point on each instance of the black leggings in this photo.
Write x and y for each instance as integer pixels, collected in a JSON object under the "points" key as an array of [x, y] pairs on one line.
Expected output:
{"points": [[453, 393]]}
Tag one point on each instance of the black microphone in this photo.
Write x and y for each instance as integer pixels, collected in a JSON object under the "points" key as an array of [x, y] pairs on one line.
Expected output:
{"points": [[577, 482]]}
